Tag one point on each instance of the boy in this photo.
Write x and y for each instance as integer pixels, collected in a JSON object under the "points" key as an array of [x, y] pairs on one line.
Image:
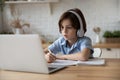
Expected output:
{"points": [[74, 45]]}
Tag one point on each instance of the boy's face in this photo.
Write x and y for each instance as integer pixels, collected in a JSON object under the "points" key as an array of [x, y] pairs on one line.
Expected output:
{"points": [[67, 30]]}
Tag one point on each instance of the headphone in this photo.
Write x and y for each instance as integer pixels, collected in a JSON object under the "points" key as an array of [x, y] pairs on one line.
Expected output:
{"points": [[80, 32]]}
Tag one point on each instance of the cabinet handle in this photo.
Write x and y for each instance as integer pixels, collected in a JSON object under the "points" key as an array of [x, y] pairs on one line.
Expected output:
{"points": [[108, 49]]}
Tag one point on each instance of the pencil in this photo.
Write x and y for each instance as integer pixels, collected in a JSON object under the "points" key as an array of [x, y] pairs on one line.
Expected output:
{"points": [[50, 52]]}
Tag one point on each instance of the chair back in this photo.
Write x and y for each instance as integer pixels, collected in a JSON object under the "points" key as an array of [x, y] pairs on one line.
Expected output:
{"points": [[97, 52]]}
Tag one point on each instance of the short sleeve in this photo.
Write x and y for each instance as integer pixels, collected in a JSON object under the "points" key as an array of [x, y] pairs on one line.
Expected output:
{"points": [[86, 43], [54, 47]]}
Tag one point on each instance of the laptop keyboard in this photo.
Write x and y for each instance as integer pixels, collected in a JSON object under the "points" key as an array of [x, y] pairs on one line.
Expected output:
{"points": [[51, 68]]}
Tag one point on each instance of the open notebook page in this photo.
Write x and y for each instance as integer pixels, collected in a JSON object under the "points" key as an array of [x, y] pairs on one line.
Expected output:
{"points": [[96, 61]]}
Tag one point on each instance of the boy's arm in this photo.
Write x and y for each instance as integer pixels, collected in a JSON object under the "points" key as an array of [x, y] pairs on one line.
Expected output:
{"points": [[83, 55]]}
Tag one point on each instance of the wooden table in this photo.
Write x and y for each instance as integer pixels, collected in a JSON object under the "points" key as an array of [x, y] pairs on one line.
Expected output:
{"points": [[110, 71]]}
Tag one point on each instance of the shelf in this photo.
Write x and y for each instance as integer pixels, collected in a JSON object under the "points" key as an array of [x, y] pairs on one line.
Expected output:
{"points": [[38, 1], [32, 2]]}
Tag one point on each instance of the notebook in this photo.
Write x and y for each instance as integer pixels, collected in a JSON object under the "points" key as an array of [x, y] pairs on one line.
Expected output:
{"points": [[94, 61], [24, 53]]}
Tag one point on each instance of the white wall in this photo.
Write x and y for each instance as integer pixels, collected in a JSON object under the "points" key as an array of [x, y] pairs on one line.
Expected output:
{"points": [[98, 13]]}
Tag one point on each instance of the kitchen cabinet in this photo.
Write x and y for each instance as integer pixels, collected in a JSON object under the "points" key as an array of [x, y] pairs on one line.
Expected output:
{"points": [[109, 50], [110, 53]]}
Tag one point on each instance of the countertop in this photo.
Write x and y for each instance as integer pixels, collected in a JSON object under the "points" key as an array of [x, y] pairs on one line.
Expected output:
{"points": [[97, 45], [107, 45]]}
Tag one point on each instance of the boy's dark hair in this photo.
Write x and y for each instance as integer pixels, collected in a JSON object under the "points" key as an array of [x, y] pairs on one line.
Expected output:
{"points": [[73, 18]]}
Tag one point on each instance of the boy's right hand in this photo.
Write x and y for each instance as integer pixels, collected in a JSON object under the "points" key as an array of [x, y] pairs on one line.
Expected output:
{"points": [[50, 57]]}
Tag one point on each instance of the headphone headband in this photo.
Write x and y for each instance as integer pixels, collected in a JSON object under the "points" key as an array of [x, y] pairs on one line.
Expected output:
{"points": [[81, 31]]}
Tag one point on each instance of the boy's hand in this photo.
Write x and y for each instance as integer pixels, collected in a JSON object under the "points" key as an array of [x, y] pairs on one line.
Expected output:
{"points": [[50, 57]]}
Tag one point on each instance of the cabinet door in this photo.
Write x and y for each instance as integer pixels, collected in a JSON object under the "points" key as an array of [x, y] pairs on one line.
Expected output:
{"points": [[118, 55], [110, 53]]}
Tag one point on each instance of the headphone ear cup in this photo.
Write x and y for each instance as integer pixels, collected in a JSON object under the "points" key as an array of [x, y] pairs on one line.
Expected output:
{"points": [[80, 33]]}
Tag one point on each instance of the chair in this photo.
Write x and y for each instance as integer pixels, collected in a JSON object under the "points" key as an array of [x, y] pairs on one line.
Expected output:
{"points": [[97, 52]]}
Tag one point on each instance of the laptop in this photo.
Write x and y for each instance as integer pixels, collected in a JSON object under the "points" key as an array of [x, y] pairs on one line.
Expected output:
{"points": [[24, 53]]}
